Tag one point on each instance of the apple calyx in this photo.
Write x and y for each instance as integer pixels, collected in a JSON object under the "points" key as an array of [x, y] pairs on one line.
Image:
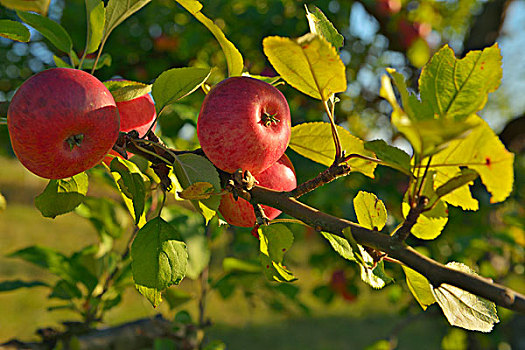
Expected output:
{"points": [[75, 140], [268, 119]]}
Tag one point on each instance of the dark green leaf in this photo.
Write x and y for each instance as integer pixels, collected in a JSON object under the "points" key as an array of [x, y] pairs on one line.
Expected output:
{"points": [[390, 155], [104, 60], [62, 196], [51, 30], [159, 259], [60, 63], [320, 25], [174, 84], [57, 264], [65, 290], [95, 13], [6, 286], [14, 30]]}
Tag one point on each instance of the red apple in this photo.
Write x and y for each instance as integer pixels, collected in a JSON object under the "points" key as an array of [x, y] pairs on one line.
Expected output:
{"points": [[280, 177], [244, 123], [62, 122], [137, 114]]}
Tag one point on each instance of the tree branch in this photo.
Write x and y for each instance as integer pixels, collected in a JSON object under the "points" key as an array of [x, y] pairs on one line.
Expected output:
{"points": [[435, 272]]}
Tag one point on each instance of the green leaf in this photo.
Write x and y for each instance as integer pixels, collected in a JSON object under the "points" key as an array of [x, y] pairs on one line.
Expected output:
{"points": [[51, 30], [274, 242], [466, 176], [416, 121], [38, 6], [356, 249], [60, 63], [58, 264], [117, 11], [310, 64], [429, 224], [65, 291], [340, 245], [6, 286], [419, 287], [14, 30], [230, 264], [62, 196], [464, 309], [176, 83], [126, 90], [234, 58], [131, 184], [197, 191], [270, 80], [190, 169], [320, 25], [390, 156], [96, 16], [483, 152], [458, 88], [374, 276], [101, 213], [159, 259], [370, 211], [314, 141], [104, 60]]}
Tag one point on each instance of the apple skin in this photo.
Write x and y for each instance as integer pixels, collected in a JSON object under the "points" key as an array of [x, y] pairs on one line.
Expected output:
{"points": [[279, 177], [136, 114], [231, 127], [51, 108]]}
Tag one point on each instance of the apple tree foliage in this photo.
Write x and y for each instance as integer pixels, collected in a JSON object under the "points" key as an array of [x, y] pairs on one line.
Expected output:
{"points": [[451, 148]]}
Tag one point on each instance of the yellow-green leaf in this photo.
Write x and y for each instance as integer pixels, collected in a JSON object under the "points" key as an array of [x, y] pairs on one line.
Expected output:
{"points": [[234, 58], [458, 88], [464, 309], [419, 287], [96, 17], [125, 90], [430, 223], [370, 211], [314, 141], [321, 25], [483, 152], [39, 6], [197, 191], [310, 64]]}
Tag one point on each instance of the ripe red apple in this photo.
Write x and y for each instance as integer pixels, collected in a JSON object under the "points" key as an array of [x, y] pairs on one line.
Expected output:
{"points": [[280, 177], [62, 122], [244, 123], [137, 114]]}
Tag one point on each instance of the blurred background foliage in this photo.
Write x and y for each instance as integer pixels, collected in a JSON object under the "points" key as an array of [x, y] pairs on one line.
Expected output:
{"points": [[378, 33]]}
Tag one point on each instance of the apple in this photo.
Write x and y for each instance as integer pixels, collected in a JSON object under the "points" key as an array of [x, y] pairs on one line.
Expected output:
{"points": [[136, 114], [279, 177], [61, 122], [244, 123]]}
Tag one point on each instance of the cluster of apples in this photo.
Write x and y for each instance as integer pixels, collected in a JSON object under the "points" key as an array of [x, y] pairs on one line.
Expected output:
{"points": [[244, 123], [63, 121]]}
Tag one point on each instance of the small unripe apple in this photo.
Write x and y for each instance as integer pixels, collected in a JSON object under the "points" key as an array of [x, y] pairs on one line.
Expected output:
{"points": [[136, 114], [62, 122], [279, 177], [244, 123]]}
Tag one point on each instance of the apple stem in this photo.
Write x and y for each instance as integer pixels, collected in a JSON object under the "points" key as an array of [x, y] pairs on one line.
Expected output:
{"points": [[267, 119], [75, 140]]}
